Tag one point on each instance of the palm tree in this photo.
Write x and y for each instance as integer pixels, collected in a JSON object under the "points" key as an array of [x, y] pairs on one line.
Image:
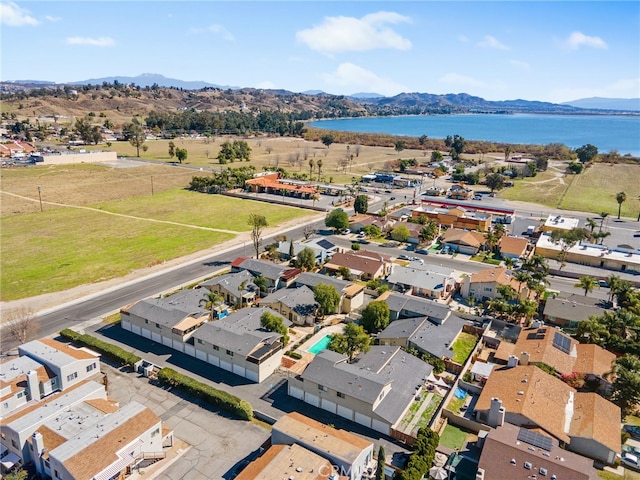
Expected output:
{"points": [[591, 224], [312, 163], [241, 287], [315, 197], [587, 283], [527, 308], [319, 165], [521, 277], [620, 198], [600, 236], [210, 301], [591, 331], [508, 263], [613, 281], [603, 215]]}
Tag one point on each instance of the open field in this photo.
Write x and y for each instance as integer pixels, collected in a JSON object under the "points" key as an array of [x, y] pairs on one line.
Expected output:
{"points": [[59, 249], [593, 191]]}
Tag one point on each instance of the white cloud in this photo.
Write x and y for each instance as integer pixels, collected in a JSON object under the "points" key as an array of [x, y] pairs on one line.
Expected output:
{"points": [[344, 34], [215, 29], [351, 78], [14, 16], [463, 38], [50, 18], [93, 42], [492, 42], [520, 64], [579, 39], [457, 80]]}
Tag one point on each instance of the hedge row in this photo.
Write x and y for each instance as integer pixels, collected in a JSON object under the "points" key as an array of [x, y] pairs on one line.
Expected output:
{"points": [[218, 398], [421, 460], [112, 352]]}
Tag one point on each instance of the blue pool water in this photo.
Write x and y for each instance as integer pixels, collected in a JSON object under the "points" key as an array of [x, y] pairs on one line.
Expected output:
{"points": [[320, 345]]}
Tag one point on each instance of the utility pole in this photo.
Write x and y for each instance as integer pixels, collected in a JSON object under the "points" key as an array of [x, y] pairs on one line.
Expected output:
{"points": [[151, 184], [40, 197]]}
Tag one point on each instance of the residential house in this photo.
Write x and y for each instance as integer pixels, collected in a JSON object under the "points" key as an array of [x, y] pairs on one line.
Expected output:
{"points": [[170, 321], [484, 284], [375, 390], [408, 306], [401, 214], [289, 461], [460, 192], [276, 276], [358, 222], [455, 217], [571, 310], [361, 265], [414, 232], [468, 242], [422, 282], [351, 294], [349, 453], [239, 344], [296, 304], [23, 379], [322, 247], [515, 452], [513, 247], [236, 288], [527, 396], [68, 365], [551, 347]]}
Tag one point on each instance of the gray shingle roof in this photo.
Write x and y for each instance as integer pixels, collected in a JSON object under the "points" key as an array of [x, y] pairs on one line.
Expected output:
{"points": [[301, 299], [240, 332], [401, 328], [312, 279], [417, 277], [437, 339], [406, 306], [269, 270], [232, 281], [168, 311], [570, 310]]}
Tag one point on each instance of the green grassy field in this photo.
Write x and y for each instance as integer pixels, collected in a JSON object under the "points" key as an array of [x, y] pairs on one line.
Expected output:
{"points": [[463, 346], [453, 437], [211, 211]]}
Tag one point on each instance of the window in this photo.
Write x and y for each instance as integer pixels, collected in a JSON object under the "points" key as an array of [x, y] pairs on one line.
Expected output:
{"points": [[146, 321], [72, 376], [230, 353], [200, 341], [91, 367], [54, 381], [5, 405], [56, 474], [216, 347], [488, 289], [340, 394], [14, 443], [21, 393], [322, 387], [47, 464], [155, 432], [158, 325]]}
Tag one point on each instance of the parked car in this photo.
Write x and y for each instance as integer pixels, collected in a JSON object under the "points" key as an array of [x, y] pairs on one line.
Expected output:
{"points": [[477, 197], [633, 430], [387, 191], [402, 256], [345, 231], [422, 251], [630, 460], [392, 198]]}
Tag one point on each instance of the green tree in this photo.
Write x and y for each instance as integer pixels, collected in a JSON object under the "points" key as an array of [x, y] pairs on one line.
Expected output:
{"points": [[621, 197], [361, 204], [172, 149], [495, 181], [375, 316], [337, 219], [400, 146], [527, 308], [87, 132], [306, 259], [210, 301], [272, 323], [327, 139], [257, 223], [135, 134], [351, 342], [372, 231], [575, 167], [312, 164], [381, 461], [587, 283], [626, 386], [181, 154], [429, 231], [400, 233], [567, 240], [327, 298], [587, 152], [456, 144], [17, 474]]}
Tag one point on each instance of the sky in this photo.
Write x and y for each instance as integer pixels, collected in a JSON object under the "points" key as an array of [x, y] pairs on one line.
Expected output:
{"points": [[505, 50]]}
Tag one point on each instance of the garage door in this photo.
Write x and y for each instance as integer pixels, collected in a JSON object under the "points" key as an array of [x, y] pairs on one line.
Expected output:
{"points": [[238, 370], [213, 360], [311, 399], [251, 375], [201, 355], [136, 329], [379, 426], [126, 325], [156, 337], [190, 350], [345, 412], [363, 420], [146, 333], [296, 392], [226, 365], [178, 345], [167, 342], [328, 405]]}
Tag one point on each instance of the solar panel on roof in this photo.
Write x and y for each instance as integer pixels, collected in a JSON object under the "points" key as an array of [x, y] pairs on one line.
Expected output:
{"points": [[536, 439], [326, 244], [561, 342]]}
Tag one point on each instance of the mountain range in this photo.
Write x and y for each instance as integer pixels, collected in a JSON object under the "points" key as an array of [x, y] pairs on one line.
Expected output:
{"points": [[404, 102]]}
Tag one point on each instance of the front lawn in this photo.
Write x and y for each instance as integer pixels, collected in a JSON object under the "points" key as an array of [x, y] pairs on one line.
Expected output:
{"points": [[453, 437], [463, 346]]}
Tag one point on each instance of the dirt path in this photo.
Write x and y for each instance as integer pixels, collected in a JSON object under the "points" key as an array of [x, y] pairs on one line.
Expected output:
{"points": [[106, 212]]}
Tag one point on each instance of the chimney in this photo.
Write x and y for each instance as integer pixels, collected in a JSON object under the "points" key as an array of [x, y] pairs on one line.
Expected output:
{"points": [[38, 443], [496, 413], [33, 385], [524, 358], [480, 474], [513, 361]]}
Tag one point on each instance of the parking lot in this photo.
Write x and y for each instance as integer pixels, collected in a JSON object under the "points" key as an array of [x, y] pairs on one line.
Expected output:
{"points": [[217, 444]]}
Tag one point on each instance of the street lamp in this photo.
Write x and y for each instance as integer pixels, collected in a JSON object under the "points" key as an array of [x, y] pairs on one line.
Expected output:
{"points": [[40, 196]]}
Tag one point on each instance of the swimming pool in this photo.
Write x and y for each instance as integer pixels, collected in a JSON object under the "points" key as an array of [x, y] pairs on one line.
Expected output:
{"points": [[320, 345]]}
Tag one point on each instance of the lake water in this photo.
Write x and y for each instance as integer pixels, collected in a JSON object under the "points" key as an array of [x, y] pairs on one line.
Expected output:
{"points": [[607, 132]]}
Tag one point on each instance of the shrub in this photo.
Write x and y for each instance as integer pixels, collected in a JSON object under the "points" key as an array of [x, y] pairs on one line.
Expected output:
{"points": [[221, 399], [107, 350], [293, 354]]}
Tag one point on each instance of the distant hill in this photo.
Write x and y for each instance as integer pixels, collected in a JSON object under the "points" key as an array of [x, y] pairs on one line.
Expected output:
{"points": [[149, 79], [625, 104], [366, 95]]}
